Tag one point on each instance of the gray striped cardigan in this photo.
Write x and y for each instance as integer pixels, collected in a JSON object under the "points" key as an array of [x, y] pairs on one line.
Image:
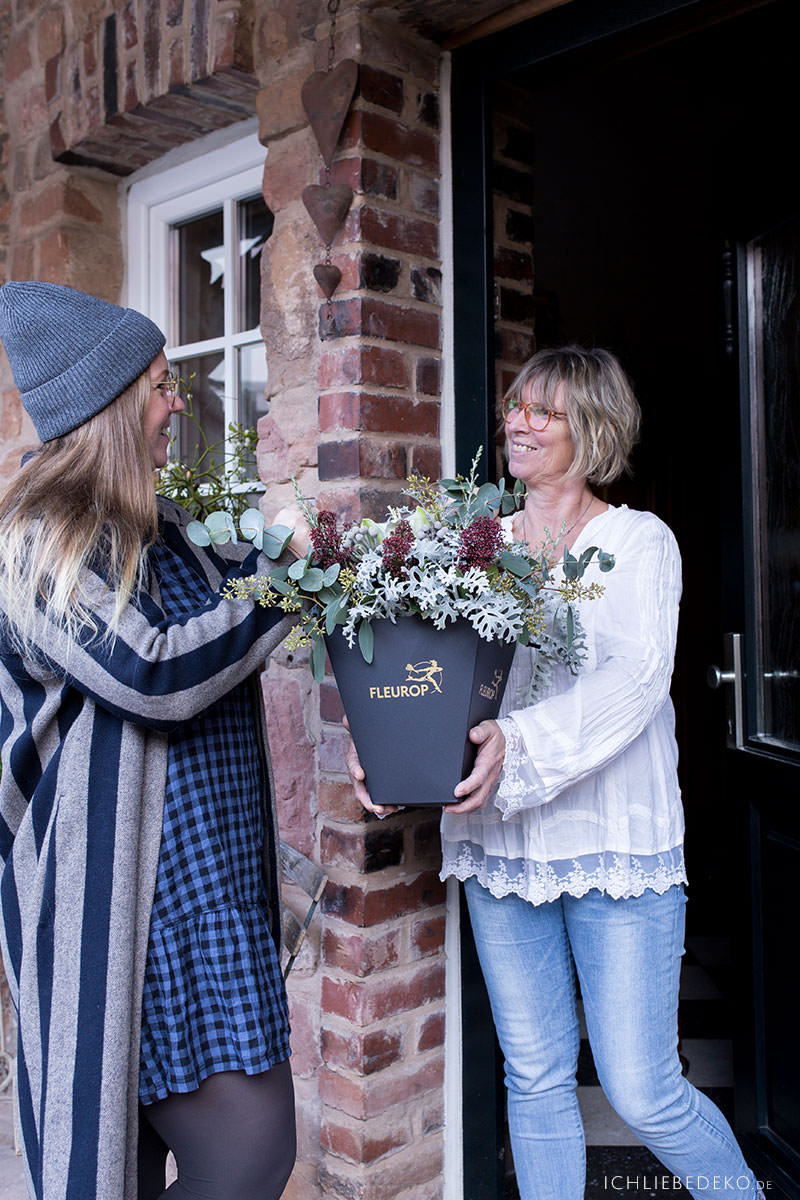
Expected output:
{"points": [[84, 757]]}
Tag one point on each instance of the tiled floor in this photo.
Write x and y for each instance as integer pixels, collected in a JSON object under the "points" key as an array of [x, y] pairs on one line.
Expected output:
{"points": [[618, 1165]]}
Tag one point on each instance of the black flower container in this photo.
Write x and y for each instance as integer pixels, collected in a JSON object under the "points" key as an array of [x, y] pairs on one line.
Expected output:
{"points": [[411, 709]]}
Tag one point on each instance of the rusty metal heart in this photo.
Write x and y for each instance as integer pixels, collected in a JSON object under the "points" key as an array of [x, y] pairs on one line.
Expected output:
{"points": [[327, 207], [327, 96], [328, 277]]}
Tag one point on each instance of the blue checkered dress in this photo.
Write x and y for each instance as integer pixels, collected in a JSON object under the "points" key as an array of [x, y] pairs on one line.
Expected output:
{"points": [[213, 997]]}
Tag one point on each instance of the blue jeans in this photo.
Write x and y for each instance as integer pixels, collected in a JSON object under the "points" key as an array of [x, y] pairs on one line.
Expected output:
{"points": [[627, 954]]}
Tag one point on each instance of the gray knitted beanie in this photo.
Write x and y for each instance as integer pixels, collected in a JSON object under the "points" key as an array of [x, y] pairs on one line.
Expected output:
{"points": [[71, 353]]}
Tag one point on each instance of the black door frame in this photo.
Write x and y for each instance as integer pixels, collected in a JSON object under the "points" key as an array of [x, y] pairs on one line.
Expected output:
{"points": [[475, 68]]}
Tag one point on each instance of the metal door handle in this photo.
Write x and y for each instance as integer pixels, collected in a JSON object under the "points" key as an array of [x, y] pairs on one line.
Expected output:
{"points": [[715, 677], [731, 672]]}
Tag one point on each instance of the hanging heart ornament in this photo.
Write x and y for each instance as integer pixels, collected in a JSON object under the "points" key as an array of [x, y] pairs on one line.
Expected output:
{"points": [[327, 207], [327, 96], [328, 277]]}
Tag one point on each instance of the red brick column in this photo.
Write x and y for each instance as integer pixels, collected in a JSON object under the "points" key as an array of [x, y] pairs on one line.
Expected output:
{"points": [[369, 1016], [382, 994]]}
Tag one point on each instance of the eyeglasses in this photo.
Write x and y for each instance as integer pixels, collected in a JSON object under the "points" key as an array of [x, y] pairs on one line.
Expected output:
{"points": [[169, 388], [537, 416]]}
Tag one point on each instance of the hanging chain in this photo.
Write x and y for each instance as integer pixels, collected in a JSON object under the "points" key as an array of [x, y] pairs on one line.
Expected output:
{"points": [[333, 8]]}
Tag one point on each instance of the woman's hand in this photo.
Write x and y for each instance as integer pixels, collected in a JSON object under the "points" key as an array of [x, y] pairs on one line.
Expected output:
{"points": [[358, 777], [490, 739], [291, 516]]}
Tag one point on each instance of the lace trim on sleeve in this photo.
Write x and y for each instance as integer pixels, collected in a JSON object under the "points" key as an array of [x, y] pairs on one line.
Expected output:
{"points": [[520, 784]]}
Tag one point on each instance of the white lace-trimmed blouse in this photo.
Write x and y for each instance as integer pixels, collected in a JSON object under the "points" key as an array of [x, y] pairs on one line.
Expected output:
{"points": [[589, 796]]}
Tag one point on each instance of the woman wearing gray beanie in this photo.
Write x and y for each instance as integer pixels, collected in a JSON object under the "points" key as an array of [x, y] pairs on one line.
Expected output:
{"points": [[139, 885]]}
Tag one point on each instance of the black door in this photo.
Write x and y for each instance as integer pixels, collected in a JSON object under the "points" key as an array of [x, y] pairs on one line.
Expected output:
{"points": [[663, 215], [762, 658]]}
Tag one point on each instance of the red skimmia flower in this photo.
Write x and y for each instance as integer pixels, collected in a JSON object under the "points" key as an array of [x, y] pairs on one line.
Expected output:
{"points": [[395, 548], [326, 539], [480, 543]]}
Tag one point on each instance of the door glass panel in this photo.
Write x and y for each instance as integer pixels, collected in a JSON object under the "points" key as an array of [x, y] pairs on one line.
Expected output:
{"points": [[773, 278]]}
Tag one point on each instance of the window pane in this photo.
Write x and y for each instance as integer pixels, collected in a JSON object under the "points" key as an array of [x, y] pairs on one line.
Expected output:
{"points": [[252, 384], [204, 377], [254, 225], [200, 269], [774, 269]]}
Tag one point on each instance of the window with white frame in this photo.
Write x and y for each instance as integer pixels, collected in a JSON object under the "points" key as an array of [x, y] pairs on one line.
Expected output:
{"points": [[195, 235]]}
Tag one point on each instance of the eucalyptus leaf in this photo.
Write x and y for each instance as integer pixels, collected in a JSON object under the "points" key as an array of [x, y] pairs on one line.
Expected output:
{"points": [[311, 580], [251, 525], [221, 527], [334, 615], [298, 568], [570, 627], [530, 587], [586, 558], [280, 586], [486, 496], [197, 533], [366, 641], [513, 563], [606, 561], [331, 574], [570, 565], [318, 659], [275, 539]]}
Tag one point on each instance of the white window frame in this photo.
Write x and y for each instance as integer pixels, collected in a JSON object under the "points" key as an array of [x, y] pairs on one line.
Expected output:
{"points": [[159, 198]]}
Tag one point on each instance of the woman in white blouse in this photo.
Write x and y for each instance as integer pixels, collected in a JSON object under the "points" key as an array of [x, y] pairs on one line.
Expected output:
{"points": [[568, 833]]}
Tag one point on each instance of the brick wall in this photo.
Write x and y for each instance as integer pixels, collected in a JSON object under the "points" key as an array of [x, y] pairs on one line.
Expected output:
{"points": [[92, 93], [354, 407], [513, 183]]}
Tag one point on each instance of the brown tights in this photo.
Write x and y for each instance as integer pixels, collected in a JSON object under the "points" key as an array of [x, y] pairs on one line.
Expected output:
{"points": [[233, 1138]]}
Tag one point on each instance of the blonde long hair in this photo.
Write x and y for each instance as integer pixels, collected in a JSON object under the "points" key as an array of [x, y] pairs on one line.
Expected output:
{"points": [[84, 500]]}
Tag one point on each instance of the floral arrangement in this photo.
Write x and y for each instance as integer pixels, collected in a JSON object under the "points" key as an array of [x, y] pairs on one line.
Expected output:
{"points": [[443, 556]]}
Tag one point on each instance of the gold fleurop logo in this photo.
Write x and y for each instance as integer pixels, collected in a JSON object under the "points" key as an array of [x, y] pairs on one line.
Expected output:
{"points": [[421, 678], [490, 691]]}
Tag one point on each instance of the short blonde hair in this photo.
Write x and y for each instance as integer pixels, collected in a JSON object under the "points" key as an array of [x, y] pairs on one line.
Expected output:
{"points": [[602, 412]]}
